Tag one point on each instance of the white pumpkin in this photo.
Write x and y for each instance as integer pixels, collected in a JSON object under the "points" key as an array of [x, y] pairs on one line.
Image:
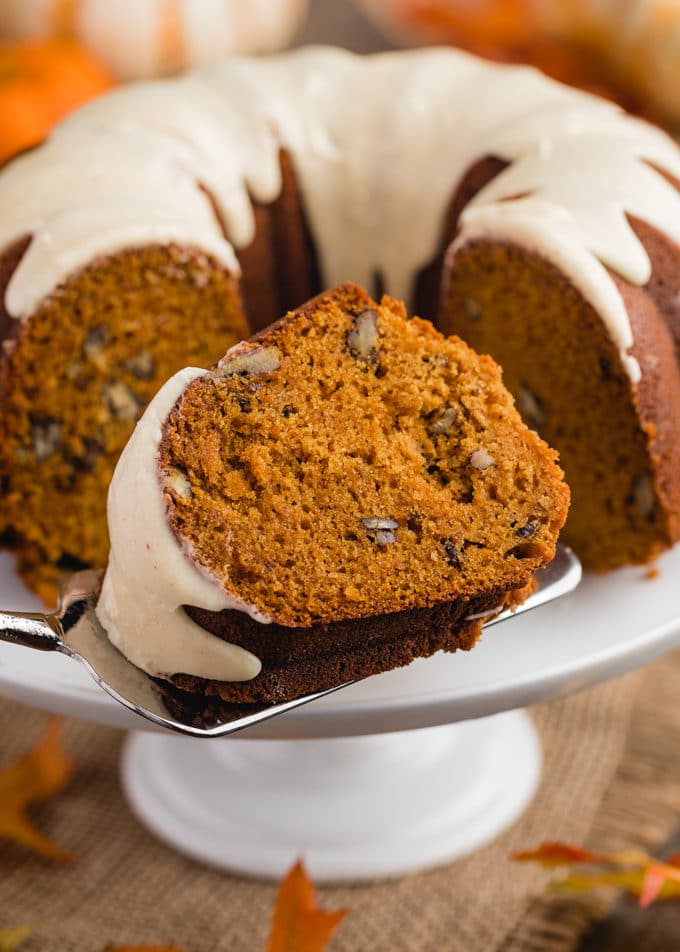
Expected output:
{"points": [[142, 38]]}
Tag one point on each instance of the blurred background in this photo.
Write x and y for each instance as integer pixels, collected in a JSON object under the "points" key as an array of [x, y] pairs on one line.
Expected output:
{"points": [[57, 54], [627, 50]]}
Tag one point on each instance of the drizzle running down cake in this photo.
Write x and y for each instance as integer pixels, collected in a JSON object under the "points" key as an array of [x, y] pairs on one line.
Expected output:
{"points": [[344, 492], [137, 236]]}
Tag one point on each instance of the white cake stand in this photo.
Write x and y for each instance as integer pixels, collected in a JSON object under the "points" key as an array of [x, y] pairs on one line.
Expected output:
{"points": [[401, 772]]}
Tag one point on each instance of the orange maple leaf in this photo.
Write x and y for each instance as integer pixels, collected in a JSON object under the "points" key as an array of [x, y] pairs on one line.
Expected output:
{"points": [[11, 939], [638, 873], [298, 924], [653, 882], [38, 775], [552, 854]]}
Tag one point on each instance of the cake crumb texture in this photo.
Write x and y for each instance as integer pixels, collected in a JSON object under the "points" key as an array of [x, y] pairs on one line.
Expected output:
{"points": [[90, 358], [619, 442], [349, 462]]}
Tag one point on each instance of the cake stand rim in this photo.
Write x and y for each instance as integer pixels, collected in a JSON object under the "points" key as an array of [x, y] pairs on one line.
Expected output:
{"points": [[76, 696]]}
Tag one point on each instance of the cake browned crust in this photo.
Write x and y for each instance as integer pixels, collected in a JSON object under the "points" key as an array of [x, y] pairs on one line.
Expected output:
{"points": [[280, 267], [299, 660], [324, 656], [364, 483]]}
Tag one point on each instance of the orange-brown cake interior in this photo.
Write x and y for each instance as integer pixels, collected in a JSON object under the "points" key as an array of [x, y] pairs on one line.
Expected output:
{"points": [[367, 467], [619, 444], [76, 377]]}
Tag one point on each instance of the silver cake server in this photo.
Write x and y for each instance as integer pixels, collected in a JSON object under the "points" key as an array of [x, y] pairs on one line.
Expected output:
{"points": [[74, 630]]}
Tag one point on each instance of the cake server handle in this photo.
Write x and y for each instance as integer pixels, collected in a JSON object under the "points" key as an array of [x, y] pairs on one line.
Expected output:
{"points": [[31, 630]]}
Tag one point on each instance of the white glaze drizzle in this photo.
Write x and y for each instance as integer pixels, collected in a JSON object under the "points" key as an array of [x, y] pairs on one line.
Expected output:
{"points": [[149, 578], [379, 144]]}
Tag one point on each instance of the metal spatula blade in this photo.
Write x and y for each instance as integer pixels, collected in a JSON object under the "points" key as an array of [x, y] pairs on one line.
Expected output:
{"points": [[74, 630]]}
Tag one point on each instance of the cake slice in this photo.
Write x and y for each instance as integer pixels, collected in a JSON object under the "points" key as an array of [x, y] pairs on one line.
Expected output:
{"points": [[344, 492]]}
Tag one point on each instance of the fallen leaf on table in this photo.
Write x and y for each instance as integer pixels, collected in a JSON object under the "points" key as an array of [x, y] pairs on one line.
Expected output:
{"points": [[11, 939], [38, 775], [632, 870], [553, 854], [298, 924]]}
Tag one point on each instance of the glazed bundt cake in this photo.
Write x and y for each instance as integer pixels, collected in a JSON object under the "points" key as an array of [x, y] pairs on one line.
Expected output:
{"points": [[344, 492], [121, 236]]}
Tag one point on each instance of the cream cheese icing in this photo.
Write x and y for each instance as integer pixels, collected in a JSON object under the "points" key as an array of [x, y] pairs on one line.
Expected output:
{"points": [[379, 144], [149, 577]]}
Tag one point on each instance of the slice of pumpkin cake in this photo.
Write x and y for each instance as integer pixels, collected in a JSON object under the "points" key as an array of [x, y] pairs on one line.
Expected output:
{"points": [[342, 493]]}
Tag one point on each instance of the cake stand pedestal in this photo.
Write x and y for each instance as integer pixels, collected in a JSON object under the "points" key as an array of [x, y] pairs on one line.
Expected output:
{"points": [[354, 808], [400, 772]]}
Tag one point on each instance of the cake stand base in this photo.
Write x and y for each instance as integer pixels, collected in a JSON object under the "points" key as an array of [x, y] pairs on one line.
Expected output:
{"points": [[354, 808]]}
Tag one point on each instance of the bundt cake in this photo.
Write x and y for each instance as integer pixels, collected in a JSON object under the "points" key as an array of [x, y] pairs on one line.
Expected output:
{"points": [[121, 235], [344, 492]]}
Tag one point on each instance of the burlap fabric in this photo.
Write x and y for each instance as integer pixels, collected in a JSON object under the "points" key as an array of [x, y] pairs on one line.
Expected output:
{"points": [[609, 780]]}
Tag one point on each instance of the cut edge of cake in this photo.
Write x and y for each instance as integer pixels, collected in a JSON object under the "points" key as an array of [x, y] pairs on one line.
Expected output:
{"points": [[271, 649]]}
